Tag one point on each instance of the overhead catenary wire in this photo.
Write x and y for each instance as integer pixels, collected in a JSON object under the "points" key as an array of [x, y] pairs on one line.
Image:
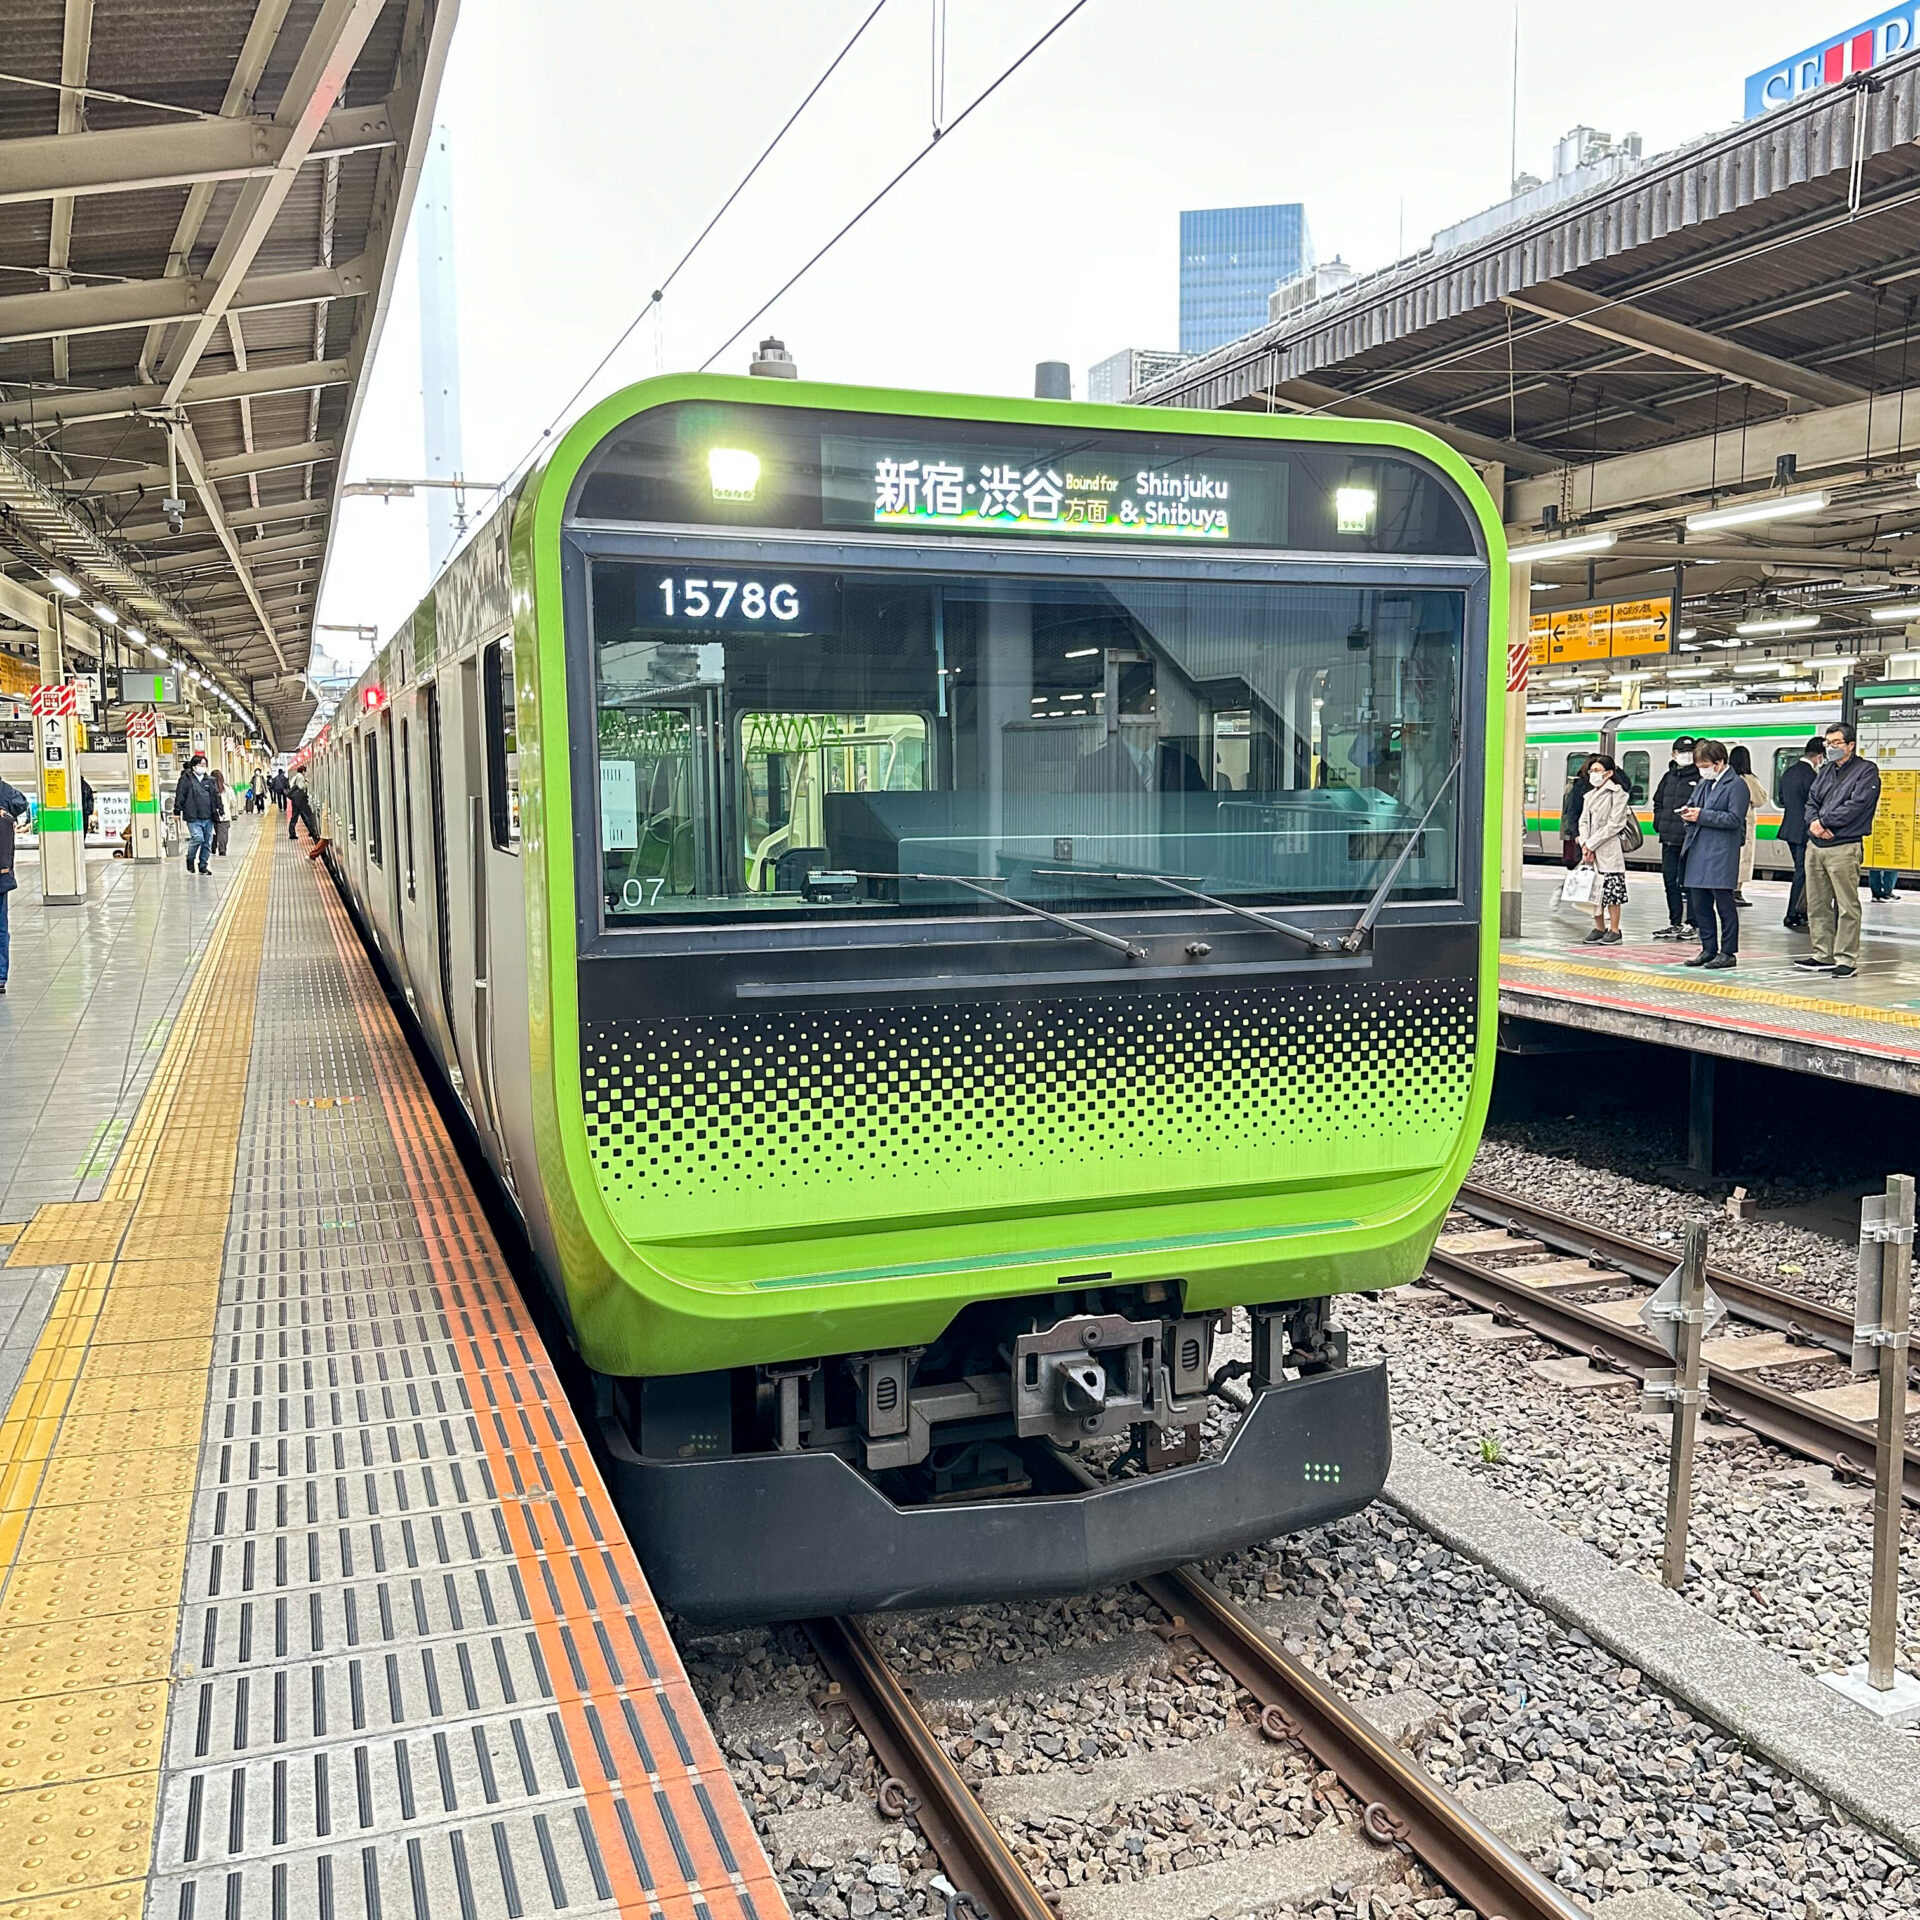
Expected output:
{"points": [[659, 293], [979, 100]]}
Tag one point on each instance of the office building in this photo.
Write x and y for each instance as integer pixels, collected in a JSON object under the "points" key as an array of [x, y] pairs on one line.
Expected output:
{"points": [[1231, 259], [1121, 375]]}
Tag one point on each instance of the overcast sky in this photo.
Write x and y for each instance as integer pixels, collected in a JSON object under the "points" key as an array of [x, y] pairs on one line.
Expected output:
{"points": [[593, 138]]}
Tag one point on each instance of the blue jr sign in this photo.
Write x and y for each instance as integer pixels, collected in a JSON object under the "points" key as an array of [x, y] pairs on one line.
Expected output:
{"points": [[1868, 45]]}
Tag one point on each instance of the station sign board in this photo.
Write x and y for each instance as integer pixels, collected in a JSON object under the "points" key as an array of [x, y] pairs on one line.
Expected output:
{"points": [[1871, 44], [1887, 715], [147, 687], [1606, 630], [56, 701]]}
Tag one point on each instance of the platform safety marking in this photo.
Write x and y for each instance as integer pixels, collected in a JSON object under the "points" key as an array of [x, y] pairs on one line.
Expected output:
{"points": [[1721, 990], [93, 1530], [604, 1644]]}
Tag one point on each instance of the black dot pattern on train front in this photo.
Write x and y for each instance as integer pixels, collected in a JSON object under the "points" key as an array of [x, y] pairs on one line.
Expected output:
{"points": [[983, 1104]]}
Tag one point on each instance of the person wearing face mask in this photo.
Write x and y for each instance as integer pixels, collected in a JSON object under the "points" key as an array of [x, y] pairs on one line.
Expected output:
{"points": [[1840, 810], [1674, 792], [1603, 825], [1716, 831]]}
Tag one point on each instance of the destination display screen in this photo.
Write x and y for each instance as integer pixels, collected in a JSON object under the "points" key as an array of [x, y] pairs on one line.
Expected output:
{"points": [[143, 688], [740, 465]]}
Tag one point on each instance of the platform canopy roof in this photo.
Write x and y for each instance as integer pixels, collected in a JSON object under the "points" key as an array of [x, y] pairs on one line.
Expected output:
{"points": [[201, 209], [1650, 348]]}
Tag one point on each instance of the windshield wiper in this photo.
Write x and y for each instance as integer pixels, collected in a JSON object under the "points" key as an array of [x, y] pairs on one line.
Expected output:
{"points": [[1314, 942], [989, 888], [1356, 936]]}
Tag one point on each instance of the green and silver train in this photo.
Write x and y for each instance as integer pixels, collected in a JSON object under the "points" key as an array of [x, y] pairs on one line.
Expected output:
{"points": [[945, 915]]}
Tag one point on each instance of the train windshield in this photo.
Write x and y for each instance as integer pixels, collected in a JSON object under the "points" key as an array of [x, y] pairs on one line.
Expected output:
{"points": [[809, 742]]}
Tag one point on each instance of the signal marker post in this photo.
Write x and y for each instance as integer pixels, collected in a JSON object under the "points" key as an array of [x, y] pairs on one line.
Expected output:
{"points": [[1882, 1313], [60, 820], [143, 785], [1680, 1315]]}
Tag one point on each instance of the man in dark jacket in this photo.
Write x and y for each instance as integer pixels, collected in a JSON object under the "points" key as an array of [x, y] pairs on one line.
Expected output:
{"points": [[193, 801], [1571, 851], [1796, 788], [277, 786], [1840, 810], [1674, 792], [1716, 834]]}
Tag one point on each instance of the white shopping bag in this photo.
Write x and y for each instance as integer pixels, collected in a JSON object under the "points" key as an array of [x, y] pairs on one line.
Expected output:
{"points": [[1580, 887]]}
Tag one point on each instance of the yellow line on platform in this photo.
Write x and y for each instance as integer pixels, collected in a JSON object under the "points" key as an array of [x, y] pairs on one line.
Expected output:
{"points": [[1720, 990], [98, 1456]]}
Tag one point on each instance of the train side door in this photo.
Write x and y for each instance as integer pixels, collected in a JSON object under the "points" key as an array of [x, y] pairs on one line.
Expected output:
{"points": [[437, 828], [468, 1012]]}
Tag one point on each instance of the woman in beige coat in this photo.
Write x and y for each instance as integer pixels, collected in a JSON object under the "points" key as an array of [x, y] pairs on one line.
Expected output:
{"points": [[1603, 825], [1741, 761]]}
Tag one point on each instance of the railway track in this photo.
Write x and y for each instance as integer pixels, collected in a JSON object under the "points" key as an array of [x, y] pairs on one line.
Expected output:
{"points": [[1402, 1805], [1493, 1275]]}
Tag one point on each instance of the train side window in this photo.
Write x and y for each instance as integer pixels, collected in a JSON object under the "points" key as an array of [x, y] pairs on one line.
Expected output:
{"points": [[1783, 758], [406, 804], [353, 792], [503, 746], [1575, 761], [1636, 767], [373, 799], [1533, 776]]}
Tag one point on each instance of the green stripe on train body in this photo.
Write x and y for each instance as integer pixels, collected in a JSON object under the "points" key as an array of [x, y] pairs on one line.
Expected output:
{"points": [[651, 1291]]}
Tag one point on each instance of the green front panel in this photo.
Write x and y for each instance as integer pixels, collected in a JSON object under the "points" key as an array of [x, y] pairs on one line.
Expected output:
{"points": [[724, 1190]]}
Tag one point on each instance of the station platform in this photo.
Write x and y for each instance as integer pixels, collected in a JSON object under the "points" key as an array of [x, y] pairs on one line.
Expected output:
{"points": [[312, 1601], [1865, 1030]]}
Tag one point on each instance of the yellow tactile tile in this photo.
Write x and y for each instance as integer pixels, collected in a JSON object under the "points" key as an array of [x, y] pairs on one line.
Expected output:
{"points": [[106, 1359], [80, 1736], [115, 1650], [137, 1393], [122, 1900], [64, 1232], [41, 1592], [76, 1834], [89, 1529], [152, 1313], [69, 1479], [107, 1432]]}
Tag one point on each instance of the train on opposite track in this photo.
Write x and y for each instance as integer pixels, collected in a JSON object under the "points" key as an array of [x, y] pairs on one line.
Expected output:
{"points": [[930, 904]]}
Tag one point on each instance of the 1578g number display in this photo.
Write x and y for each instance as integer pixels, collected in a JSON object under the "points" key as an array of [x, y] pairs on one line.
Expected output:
{"points": [[729, 602]]}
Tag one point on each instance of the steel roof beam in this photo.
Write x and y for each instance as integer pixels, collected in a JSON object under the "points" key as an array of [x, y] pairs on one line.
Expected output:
{"points": [[304, 542], [319, 77], [71, 405], [1313, 396], [1834, 437], [1630, 326], [63, 166], [142, 532], [76, 48], [234, 467], [138, 303], [204, 483]]}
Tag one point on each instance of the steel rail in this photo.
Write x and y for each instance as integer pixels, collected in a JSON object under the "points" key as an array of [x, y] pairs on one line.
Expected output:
{"points": [[1788, 1422], [921, 1781], [1403, 1804], [1752, 1300]]}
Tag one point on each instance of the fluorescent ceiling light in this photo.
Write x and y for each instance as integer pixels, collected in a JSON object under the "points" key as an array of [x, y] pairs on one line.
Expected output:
{"points": [[1575, 546], [1081, 653], [62, 584], [1549, 586], [1789, 623], [138, 638], [105, 614], [160, 654], [1688, 633], [1692, 673], [1906, 612], [1758, 666], [1750, 513], [1575, 682]]}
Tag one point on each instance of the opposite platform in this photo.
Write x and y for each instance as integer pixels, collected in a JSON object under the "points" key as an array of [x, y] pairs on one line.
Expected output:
{"points": [[1865, 1030], [311, 1599]]}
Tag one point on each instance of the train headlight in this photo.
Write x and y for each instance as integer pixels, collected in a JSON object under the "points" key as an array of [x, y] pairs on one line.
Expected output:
{"points": [[734, 472], [1353, 509]]}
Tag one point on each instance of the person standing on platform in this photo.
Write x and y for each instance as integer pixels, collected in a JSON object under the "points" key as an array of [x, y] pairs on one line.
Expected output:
{"points": [[300, 810], [1741, 761], [1576, 798], [193, 801], [1603, 826], [1883, 882], [1716, 828], [1796, 787], [222, 812], [8, 881], [1840, 810], [277, 786], [1674, 792]]}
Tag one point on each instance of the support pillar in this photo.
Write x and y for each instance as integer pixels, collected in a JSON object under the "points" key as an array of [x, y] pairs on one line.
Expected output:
{"points": [[1513, 783], [1702, 1102], [60, 818], [144, 790]]}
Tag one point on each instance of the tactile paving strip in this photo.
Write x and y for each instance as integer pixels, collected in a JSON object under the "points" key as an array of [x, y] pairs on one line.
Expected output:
{"points": [[419, 1674]]}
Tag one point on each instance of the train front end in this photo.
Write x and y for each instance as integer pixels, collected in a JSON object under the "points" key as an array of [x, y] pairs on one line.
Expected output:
{"points": [[1008, 895]]}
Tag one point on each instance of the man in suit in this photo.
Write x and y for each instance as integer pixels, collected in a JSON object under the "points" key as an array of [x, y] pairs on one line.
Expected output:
{"points": [[1716, 833], [1796, 788]]}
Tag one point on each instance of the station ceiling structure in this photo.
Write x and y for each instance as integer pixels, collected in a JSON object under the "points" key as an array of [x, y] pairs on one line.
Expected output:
{"points": [[201, 210], [1733, 323]]}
